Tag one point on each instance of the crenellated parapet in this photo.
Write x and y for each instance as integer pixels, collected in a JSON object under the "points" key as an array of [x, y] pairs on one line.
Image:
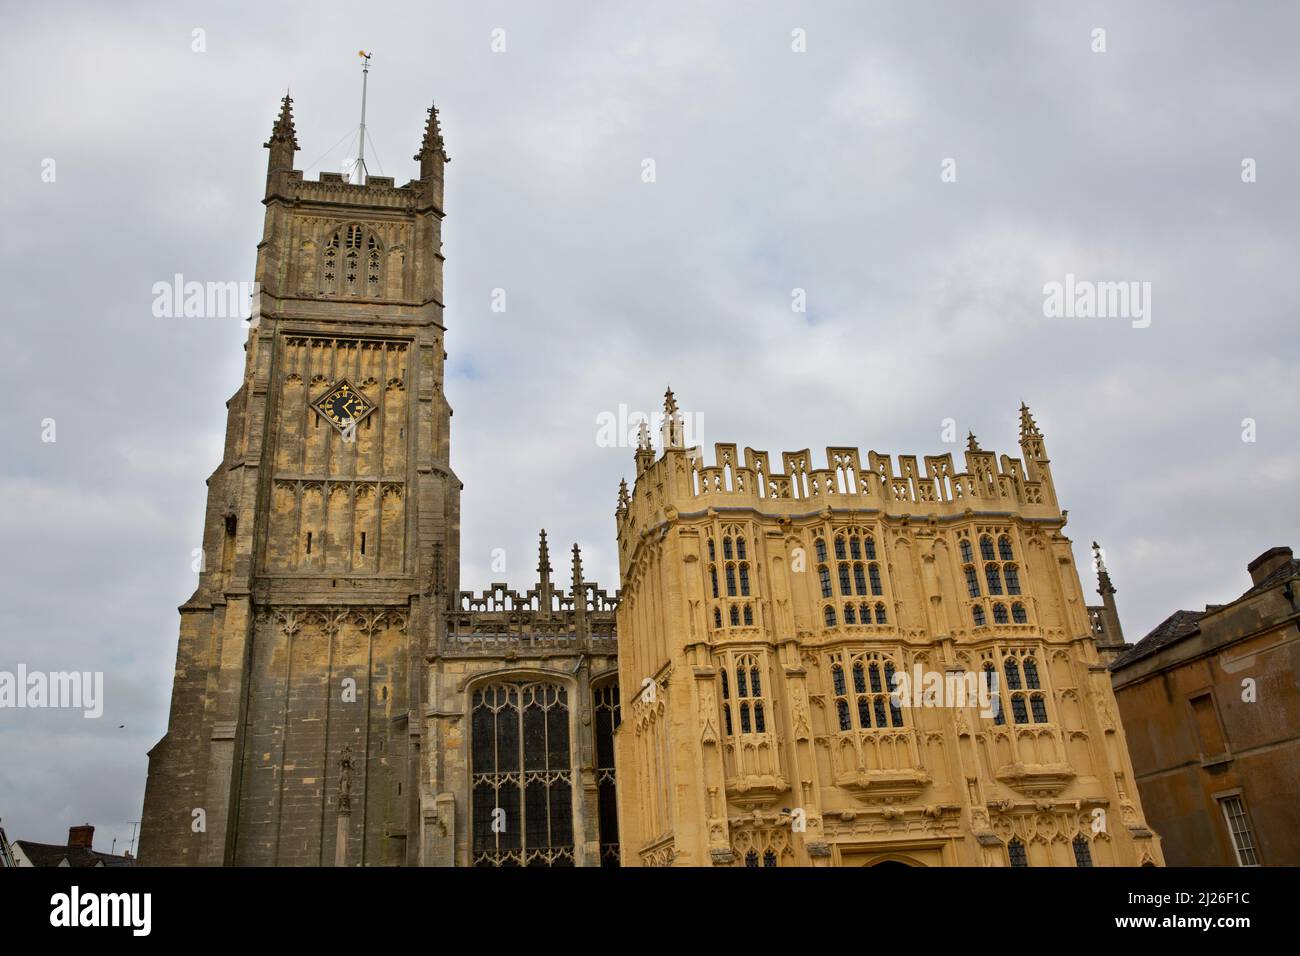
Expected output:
{"points": [[680, 479], [544, 617], [331, 188]]}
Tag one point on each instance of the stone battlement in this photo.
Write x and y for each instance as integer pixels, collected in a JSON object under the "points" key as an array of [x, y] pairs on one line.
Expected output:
{"points": [[543, 618], [681, 479]]}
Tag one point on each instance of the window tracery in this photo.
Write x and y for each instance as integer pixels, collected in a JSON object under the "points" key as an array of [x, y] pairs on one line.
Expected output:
{"points": [[520, 777]]}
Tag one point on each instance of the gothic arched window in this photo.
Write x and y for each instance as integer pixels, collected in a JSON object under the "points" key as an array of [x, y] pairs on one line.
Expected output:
{"points": [[351, 263], [1016, 853], [605, 711], [1026, 696], [520, 775], [869, 706], [749, 703], [1012, 575], [726, 702], [991, 685], [841, 696], [1082, 852], [994, 578], [853, 571]]}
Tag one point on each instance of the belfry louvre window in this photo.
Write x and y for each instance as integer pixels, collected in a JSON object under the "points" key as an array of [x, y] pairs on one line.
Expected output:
{"points": [[351, 263], [521, 776]]}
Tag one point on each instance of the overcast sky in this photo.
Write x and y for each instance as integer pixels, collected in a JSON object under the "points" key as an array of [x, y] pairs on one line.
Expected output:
{"points": [[775, 170]]}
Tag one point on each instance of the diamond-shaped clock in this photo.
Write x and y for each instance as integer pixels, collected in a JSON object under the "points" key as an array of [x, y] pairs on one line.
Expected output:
{"points": [[343, 405]]}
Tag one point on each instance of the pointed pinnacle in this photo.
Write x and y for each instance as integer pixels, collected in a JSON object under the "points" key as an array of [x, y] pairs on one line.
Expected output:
{"points": [[543, 555], [670, 403], [432, 144], [283, 130], [971, 443], [1028, 427], [1097, 558]]}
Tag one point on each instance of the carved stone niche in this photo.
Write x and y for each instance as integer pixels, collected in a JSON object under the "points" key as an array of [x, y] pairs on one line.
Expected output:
{"points": [[873, 764], [753, 790], [1036, 780], [883, 783]]}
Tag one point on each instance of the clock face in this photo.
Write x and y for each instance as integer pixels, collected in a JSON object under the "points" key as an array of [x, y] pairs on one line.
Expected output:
{"points": [[343, 406]]}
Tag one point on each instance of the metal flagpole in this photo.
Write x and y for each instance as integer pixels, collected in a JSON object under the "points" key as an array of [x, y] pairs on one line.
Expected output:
{"points": [[361, 149]]}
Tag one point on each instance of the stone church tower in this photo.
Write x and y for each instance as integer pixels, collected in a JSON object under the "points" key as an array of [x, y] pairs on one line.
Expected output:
{"points": [[331, 530], [337, 699]]}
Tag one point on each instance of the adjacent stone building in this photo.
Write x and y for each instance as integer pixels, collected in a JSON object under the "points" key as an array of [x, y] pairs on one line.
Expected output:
{"points": [[766, 613], [1211, 704]]}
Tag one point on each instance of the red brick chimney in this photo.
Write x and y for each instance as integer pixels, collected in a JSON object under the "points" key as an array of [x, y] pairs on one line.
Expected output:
{"points": [[1267, 563], [83, 835]]}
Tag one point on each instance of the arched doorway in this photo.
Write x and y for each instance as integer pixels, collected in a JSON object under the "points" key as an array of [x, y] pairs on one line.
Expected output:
{"points": [[894, 861]]}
